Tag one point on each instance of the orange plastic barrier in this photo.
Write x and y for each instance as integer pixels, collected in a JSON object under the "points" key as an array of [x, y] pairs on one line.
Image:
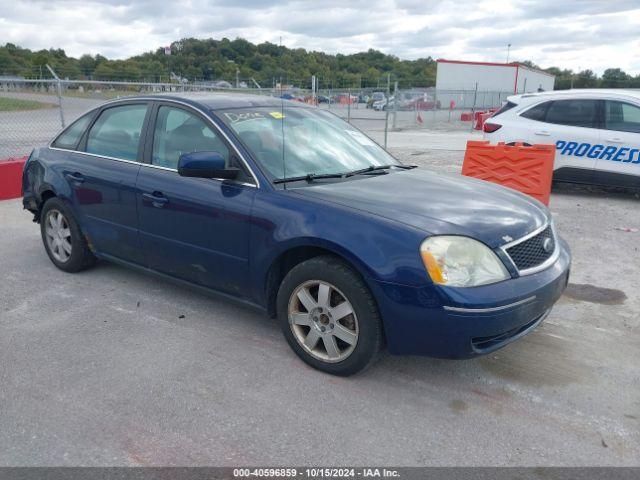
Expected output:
{"points": [[528, 169], [11, 178]]}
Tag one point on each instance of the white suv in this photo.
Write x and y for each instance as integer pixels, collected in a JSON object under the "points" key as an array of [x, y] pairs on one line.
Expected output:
{"points": [[596, 132]]}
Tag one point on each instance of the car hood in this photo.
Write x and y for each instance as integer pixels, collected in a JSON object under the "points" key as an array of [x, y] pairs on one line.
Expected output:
{"points": [[439, 204]]}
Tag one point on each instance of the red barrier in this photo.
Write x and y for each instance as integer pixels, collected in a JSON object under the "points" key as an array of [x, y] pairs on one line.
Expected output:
{"points": [[526, 169], [466, 117], [481, 117], [11, 177]]}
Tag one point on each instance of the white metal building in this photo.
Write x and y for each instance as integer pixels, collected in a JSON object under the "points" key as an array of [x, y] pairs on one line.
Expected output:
{"points": [[491, 77]]}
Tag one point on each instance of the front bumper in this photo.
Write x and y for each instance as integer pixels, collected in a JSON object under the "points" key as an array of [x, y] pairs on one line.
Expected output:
{"points": [[466, 322]]}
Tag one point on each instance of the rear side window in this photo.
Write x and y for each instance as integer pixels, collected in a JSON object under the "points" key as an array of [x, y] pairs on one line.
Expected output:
{"points": [[574, 113], [622, 117], [71, 136], [504, 108], [116, 133], [537, 113]]}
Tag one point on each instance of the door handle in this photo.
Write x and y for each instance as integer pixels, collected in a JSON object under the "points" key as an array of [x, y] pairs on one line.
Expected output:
{"points": [[544, 133], [75, 177], [613, 140], [157, 199]]}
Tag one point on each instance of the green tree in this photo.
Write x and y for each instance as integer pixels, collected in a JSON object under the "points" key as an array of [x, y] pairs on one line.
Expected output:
{"points": [[615, 78]]}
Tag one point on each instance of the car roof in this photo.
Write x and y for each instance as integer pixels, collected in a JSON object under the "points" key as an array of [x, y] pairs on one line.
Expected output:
{"points": [[576, 93], [220, 100]]}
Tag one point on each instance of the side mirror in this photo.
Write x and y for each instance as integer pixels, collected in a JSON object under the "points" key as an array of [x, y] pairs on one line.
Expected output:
{"points": [[205, 165]]}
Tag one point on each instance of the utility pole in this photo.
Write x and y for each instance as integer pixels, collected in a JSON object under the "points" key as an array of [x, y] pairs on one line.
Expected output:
{"points": [[395, 103], [508, 48], [59, 94], [386, 110], [313, 90]]}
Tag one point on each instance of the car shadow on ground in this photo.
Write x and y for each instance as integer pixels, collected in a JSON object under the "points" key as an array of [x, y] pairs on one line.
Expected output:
{"points": [[530, 361], [166, 300], [622, 193]]}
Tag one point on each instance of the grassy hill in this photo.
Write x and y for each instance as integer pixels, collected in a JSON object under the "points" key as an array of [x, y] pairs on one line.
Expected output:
{"points": [[266, 63]]}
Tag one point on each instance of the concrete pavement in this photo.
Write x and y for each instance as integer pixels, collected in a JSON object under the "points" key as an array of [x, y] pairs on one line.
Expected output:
{"points": [[112, 367]]}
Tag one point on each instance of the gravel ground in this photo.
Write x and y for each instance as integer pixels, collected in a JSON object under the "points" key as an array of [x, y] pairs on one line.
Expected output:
{"points": [[111, 367]]}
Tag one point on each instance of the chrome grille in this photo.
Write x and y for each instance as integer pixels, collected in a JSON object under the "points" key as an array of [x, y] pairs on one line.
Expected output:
{"points": [[533, 251]]}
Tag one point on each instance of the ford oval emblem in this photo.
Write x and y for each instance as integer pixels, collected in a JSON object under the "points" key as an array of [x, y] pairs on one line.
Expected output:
{"points": [[547, 245]]}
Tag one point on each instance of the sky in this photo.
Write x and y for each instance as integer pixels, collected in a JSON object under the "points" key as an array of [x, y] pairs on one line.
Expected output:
{"points": [[575, 34]]}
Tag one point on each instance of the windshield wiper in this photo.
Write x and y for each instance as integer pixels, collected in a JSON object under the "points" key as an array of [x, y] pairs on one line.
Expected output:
{"points": [[370, 169], [310, 177]]}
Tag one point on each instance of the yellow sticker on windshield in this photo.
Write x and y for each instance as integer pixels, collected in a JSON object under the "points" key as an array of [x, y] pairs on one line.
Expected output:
{"points": [[278, 115]]}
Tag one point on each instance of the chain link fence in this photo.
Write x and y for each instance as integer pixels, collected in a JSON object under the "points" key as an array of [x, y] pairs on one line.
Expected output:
{"points": [[33, 111], [440, 109]]}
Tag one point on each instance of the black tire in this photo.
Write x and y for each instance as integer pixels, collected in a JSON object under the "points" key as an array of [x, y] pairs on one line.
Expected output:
{"points": [[513, 144], [81, 257], [348, 283]]}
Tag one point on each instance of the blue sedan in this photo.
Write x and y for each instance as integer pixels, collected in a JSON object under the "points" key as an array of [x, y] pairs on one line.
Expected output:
{"points": [[289, 209]]}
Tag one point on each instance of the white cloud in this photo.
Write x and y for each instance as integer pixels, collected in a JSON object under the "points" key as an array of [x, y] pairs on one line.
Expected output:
{"points": [[572, 34]]}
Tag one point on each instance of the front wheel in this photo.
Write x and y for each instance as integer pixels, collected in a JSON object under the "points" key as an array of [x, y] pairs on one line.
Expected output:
{"points": [[329, 317]]}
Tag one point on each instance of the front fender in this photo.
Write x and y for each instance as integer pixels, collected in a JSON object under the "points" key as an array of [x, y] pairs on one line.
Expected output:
{"points": [[379, 249]]}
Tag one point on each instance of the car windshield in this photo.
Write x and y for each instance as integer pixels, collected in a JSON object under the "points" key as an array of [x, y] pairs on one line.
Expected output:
{"points": [[315, 142]]}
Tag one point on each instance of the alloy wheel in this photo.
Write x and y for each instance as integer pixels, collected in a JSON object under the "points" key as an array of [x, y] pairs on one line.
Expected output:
{"points": [[323, 321], [58, 235]]}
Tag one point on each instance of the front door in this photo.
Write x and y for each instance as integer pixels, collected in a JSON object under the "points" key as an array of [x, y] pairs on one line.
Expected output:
{"points": [[194, 229]]}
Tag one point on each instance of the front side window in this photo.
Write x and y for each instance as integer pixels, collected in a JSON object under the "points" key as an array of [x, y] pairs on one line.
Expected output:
{"points": [[573, 113], [71, 136], [296, 141], [116, 133], [622, 117], [178, 131]]}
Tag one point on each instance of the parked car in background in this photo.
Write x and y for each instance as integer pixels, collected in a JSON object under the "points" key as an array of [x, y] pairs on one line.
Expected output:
{"points": [[375, 97], [383, 104], [596, 132], [287, 208], [422, 102], [322, 99]]}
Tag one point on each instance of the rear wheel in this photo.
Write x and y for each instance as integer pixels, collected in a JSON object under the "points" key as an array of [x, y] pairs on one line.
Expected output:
{"points": [[329, 316], [62, 238]]}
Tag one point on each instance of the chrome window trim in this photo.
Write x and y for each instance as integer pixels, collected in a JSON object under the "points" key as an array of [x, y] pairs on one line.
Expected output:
{"points": [[491, 309], [544, 265], [145, 165], [160, 99]]}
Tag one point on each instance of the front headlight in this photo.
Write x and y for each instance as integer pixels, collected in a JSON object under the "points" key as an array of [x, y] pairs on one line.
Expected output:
{"points": [[457, 261]]}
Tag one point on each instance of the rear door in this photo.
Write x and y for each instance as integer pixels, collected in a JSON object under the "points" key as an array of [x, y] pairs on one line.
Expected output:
{"points": [[103, 179], [572, 126], [195, 229], [619, 163]]}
